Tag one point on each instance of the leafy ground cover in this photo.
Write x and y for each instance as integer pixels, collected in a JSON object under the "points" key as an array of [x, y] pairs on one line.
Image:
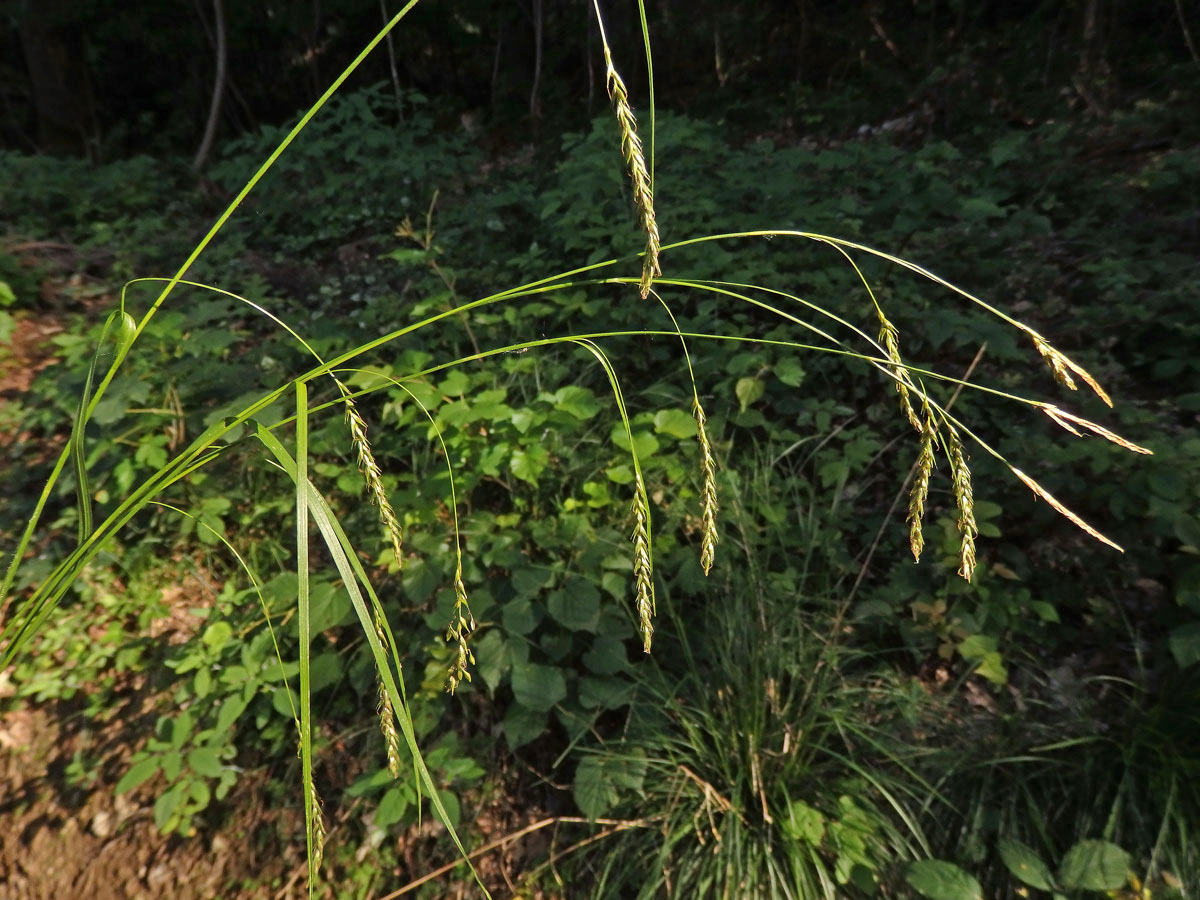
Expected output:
{"points": [[819, 715]]}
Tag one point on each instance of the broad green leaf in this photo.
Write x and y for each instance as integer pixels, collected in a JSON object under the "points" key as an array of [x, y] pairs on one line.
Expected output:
{"points": [[675, 422], [940, 880], [789, 371], [518, 616], [140, 771], [1185, 644], [594, 792], [1025, 864], [749, 391], [578, 401], [204, 761], [393, 805], [491, 653], [977, 646], [993, 669], [528, 463], [606, 656], [645, 444], [604, 692], [527, 581], [217, 635], [599, 780], [522, 725], [166, 805], [451, 805], [1094, 866], [804, 823], [538, 687], [576, 605]]}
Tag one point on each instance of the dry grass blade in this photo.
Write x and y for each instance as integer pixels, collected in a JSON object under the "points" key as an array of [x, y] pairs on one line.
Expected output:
{"points": [[709, 507], [635, 159], [890, 338], [1069, 420], [1061, 366], [920, 488], [462, 624], [642, 570], [1066, 513], [964, 498]]}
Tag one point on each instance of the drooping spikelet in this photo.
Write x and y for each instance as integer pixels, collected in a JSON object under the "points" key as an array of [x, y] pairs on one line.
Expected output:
{"points": [[890, 338], [642, 567], [462, 624], [1062, 366], [1069, 420], [920, 488], [1062, 510], [960, 474], [387, 715], [635, 160], [318, 827], [372, 474], [708, 494]]}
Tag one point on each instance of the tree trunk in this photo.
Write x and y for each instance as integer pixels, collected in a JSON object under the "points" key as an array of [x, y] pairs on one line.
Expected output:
{"points": [[54, 54]]}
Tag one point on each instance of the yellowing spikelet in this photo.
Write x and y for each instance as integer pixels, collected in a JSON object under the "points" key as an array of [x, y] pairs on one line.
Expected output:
{"points": [[708, 502], [639, 173], [920, 488]]}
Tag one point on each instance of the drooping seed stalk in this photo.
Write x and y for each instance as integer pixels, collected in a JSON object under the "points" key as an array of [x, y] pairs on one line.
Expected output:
{"points": [[920, 488], [642, 568], [639, 173], [318, 828], [1062, 366], [890, 338], [462, 624], [960, 474], [387, 715], [708, 494]]}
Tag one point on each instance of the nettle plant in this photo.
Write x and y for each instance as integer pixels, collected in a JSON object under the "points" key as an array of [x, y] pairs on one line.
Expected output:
{"points": [[335, 384]]}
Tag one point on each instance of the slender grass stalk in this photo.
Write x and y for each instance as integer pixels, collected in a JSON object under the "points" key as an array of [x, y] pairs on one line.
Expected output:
{"points": [[708, 465]]}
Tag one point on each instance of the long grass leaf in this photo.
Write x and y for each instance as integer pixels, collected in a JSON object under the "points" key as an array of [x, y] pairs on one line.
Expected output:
{"points": [[353, 575]]}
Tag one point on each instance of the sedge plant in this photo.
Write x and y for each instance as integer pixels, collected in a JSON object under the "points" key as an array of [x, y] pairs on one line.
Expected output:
{"points": [[322, 389]]}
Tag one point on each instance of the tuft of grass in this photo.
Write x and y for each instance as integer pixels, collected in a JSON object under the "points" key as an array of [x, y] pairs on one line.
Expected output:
{"points": [[765, 759]]}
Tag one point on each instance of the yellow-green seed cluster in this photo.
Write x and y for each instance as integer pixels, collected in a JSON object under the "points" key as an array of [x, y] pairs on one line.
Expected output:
{"points": [[708, 494], [635, 159], [642, 569], [462, 624]]}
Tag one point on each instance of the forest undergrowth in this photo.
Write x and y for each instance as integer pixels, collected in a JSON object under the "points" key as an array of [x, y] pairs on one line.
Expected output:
{"points": [[622, 559]]}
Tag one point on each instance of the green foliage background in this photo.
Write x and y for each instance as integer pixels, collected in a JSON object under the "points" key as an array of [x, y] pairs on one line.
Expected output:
{"points": [[1049, 703]]}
